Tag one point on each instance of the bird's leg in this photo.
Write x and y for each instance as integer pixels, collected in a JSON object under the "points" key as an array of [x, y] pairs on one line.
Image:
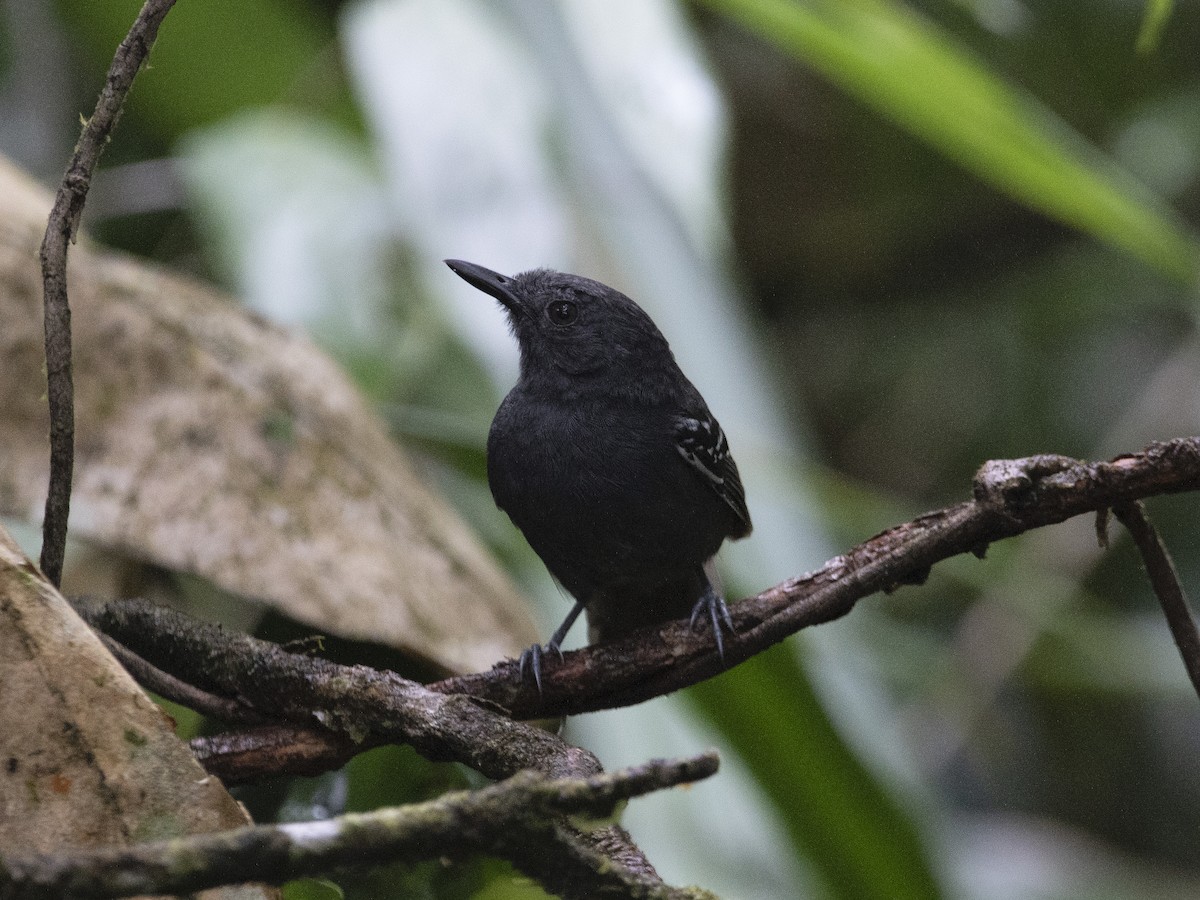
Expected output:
{"points": [[532, 658], [711, 605]]}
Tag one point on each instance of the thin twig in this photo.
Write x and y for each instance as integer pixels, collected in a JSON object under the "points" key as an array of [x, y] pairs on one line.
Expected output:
{"points": [[60, 232], [167, 685], [1165, 581], [518, 819]]}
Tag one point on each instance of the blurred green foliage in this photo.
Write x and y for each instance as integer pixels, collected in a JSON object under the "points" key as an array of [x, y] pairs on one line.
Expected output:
{"points": [[966, 229], [312, 889], [214, 59], [882, 53], [833, 809]]}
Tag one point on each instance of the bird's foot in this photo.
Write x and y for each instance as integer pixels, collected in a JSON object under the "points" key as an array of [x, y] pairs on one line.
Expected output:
{"points": [[531, 660], [711, 607]]}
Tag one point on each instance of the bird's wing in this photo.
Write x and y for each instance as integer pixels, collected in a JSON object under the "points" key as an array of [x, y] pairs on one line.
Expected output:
{"points": [[701, 442]]}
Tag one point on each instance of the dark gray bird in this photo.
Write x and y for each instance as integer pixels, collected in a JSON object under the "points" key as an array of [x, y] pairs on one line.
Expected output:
{"points": [[607, 458]]}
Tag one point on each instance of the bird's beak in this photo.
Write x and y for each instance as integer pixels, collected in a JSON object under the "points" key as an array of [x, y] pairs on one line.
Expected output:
{"points": [[499, 286]]}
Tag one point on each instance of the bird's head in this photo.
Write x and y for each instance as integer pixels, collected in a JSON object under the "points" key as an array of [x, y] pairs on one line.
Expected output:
{"points": [[569, 327]]}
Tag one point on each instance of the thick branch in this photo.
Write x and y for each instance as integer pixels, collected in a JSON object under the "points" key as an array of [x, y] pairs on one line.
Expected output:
{"points": [[245, 756], [1165, 581], [355, 701], [362, 707], [516, 819], [60, 231], [1011, 497]]}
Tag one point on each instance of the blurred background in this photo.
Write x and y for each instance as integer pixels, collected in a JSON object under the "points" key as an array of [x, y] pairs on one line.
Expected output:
{"points": [[888, 241]]}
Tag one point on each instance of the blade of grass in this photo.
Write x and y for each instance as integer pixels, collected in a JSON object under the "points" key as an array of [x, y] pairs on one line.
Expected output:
{"points": [[837, 815], [900, 64], [1157, 13]]}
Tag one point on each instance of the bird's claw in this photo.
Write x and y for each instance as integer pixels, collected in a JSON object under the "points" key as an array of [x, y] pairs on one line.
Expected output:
{"points": [[712, 606], [531, 660]]}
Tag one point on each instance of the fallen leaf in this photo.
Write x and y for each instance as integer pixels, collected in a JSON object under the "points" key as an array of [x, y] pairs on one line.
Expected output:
{"points": [[209, 441], [86, 758]]}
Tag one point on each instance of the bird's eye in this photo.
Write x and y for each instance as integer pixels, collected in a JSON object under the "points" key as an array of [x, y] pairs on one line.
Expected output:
{"points": [[562, 312]]}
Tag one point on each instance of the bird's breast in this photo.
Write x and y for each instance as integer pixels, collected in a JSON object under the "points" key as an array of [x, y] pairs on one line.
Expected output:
{"points": [[600, 489], [576, 453]]}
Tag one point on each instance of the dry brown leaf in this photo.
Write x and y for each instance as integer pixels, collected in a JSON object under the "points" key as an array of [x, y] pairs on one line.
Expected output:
{"points": [[211, 442], [86, 758]]}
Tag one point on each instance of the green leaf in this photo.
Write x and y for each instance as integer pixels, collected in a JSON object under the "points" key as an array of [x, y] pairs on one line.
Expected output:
{"points": [[901, 65], [836, 814]]}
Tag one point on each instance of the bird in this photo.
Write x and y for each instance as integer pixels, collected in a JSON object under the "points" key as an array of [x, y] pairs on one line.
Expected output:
{"points": [[608, 460]]}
